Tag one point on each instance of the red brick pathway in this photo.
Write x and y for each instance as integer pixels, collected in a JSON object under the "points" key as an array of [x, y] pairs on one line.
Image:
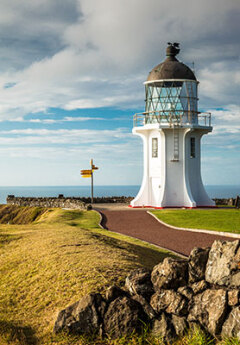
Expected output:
{"points": [[141, 225]]}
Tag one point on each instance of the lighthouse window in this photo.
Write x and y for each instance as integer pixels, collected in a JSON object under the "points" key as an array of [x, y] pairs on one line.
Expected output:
{"points": [[154, 147], [192, 147]]}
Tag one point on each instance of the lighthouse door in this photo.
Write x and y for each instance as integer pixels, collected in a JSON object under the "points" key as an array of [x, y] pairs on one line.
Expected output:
{"points": [[155, 190]]}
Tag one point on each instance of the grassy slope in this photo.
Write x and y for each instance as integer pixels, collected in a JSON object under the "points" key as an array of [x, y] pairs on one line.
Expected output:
{"points": [[215, 219], [51, 263]]}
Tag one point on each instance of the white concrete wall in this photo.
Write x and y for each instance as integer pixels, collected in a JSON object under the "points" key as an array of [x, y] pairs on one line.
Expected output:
{"points": [[168, 183]]}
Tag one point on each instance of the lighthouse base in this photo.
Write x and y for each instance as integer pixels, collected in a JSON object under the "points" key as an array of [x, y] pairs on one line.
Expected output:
{"points": [[172, 168]]}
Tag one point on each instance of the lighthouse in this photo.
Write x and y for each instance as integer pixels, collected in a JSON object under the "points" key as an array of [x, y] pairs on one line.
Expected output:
{"points": [[171, 128]]}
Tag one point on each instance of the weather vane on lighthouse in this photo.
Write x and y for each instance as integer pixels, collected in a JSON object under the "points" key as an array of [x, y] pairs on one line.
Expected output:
{"points": [[171, 128]]}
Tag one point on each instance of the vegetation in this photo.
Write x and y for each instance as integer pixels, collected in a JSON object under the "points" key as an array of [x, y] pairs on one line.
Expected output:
{"points": [[53, 261], [226, 220]]}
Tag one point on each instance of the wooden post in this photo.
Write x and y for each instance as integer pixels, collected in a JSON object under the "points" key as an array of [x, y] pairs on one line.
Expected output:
{"points": [[91, 162]]}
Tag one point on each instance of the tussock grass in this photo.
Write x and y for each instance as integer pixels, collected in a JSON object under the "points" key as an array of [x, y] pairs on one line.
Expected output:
{"points": [[226, 220]]}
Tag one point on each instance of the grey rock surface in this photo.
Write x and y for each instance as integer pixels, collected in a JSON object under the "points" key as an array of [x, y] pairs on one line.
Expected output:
{"points": [[163, 328], [231, 327], [170, 274], [138, 282], [186, 291], [223, 263], [84, 316], [199, 286], [114, 292], [209, 309], [170, 301], [123, 316], [197, 264], [145, 305], [233, 297], [180, 324]]}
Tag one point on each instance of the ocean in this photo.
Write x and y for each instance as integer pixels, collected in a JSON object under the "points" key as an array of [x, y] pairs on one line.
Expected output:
{"points": [[226, 191]]}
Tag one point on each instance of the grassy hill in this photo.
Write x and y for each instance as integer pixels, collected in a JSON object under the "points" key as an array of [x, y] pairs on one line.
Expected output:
{"points": [[51, 262], [49, 259]]}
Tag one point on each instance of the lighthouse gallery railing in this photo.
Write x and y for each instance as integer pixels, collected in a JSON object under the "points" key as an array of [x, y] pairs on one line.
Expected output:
{"points": [[168, 118]]}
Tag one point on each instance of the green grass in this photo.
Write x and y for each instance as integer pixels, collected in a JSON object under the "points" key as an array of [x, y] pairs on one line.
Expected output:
{"points": [[226, 220], [53, 261]]}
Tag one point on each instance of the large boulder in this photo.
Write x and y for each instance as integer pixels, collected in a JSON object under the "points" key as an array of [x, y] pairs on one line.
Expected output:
{"points": [[84, 316], [170, 274], [197, 264], [231, 327], [223, 266], [138, 282], [209, 309], [162, 327], [170, 301], [123, 316]]}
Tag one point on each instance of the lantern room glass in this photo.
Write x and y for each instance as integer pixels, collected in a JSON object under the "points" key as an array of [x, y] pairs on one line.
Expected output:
{"points": [[173, 98]]}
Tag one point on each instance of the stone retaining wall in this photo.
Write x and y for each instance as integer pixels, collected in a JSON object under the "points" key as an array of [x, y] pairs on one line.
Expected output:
{"points": [[176, 295], [72, 203]]}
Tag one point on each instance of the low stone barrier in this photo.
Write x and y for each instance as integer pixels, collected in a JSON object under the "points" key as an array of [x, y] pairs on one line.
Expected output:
{"points": [[72, 203], [176, 295]]}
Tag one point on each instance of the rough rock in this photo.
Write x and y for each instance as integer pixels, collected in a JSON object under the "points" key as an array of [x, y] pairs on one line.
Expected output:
{"points": [[114, 292], [197, 264], [231, 327], [170, 301], [233, 297], [148, 310], [138, 282], [209, 309], [122, 317], [162, 327], [180, 324], [223, 262], [84, 316], [199, 286], [170, 274], [186, 291]]}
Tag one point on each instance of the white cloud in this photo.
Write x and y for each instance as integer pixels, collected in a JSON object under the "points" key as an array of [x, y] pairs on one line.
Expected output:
{"points": [[106, 49]]}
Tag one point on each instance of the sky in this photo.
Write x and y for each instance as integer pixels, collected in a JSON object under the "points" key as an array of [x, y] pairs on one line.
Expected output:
{"points": [[71, 79]]}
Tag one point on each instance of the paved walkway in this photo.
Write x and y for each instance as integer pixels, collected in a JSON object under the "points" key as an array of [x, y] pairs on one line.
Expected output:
{"points": [[141, 225]]}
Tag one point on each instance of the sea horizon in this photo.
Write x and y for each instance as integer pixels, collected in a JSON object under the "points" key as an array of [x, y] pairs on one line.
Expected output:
{"points": [[214, 191]]}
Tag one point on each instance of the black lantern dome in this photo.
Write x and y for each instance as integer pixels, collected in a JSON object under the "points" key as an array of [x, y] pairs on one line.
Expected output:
{"points": [[171, 68]]}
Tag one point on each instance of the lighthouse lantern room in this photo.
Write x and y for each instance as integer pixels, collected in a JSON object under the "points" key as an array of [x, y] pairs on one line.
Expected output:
{"points": [[171, 128]]}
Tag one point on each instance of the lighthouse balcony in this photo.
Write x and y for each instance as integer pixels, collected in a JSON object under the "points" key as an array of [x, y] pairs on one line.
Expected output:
{"points": [[168, 119]]}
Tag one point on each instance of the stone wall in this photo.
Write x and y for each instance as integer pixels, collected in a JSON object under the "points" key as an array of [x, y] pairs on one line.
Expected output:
{"points": [[176, 295], [61, 201]]}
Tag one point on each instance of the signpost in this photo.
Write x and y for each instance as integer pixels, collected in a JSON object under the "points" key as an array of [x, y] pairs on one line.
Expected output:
{"points": [[89, 173]]}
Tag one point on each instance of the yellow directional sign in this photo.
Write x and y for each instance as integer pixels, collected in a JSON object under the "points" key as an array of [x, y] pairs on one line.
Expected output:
{"points": [[84, 172], [89, 173]]}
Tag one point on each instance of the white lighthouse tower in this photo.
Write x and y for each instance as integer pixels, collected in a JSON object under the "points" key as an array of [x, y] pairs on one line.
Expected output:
{"points": [[171, 128]]}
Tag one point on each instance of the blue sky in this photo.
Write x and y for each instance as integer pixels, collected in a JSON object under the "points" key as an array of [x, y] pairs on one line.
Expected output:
{"points": [[71, 79]]}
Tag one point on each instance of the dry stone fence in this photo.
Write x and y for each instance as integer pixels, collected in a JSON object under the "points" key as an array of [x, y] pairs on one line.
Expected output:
{"points": [[176, 295], [60, 201]]}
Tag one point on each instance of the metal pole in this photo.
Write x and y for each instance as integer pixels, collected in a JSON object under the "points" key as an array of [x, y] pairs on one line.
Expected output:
{"points": [[91, 181]]}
